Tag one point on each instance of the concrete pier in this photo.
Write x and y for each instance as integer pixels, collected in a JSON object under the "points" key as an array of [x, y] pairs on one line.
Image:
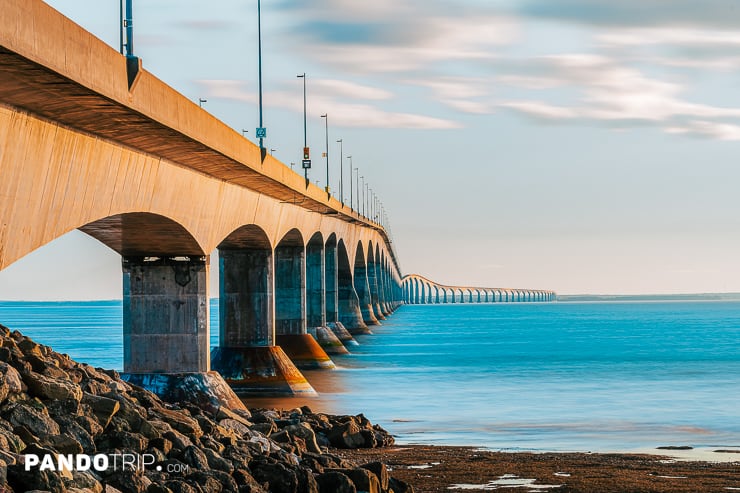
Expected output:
{"points": [[165, 330], [374, 285], [247, 356], [348, 302], [317, 280], [165, 314], [290, 305], [362, 288]]}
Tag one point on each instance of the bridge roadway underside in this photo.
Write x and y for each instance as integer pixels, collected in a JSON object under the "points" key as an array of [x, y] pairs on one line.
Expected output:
{"points": [[159, 180]]}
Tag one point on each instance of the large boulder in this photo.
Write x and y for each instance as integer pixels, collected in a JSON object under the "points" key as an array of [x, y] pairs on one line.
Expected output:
{"points": [[335, 482], [52, 388]]}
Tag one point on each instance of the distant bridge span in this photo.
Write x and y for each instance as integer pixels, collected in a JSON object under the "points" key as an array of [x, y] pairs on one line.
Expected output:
{"points": [[418, 290]]}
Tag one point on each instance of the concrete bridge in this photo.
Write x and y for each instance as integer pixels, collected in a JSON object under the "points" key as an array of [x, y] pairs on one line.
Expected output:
{"points": [[88, 143], [418, 290]]}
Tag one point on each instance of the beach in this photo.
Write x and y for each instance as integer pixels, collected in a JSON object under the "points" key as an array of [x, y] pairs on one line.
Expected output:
{"points": [[433, 469]]}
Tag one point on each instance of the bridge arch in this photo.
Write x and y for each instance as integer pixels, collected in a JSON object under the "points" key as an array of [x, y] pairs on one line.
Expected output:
{"points": [[362, 286], [349, 303]]}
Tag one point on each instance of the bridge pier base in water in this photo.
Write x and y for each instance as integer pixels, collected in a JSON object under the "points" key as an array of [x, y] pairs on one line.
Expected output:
{"points": [[247, 356], [290, 308], [165, 330]]}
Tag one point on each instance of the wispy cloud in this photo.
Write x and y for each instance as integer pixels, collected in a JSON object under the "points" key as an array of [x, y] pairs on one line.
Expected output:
{"points": [[636, 12], [613, 93], [351, 114]]}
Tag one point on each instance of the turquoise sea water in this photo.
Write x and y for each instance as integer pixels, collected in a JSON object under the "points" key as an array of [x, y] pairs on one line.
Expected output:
{"points": [[559, 376]]}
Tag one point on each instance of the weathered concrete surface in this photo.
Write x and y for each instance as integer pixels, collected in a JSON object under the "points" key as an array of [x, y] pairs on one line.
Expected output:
{"points": [[207, 390], [342, 334], [246, 298], [165, 315], [305, 351], [328, 340], [263, 371]]}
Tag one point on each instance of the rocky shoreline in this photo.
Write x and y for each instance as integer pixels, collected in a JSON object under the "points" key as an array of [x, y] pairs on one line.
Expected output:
{"points": [[61, 421]]}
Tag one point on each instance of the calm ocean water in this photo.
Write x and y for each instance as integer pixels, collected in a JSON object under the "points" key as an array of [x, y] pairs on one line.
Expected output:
{"points": [[561, 376]]}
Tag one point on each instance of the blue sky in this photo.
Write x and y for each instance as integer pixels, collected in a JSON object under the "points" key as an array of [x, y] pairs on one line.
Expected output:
{"points": [[575, 145]]}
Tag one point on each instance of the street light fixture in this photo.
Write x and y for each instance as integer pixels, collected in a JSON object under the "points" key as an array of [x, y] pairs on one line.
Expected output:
{"points": [[341, 173], [326, 119], [261, 131], [351, 202], [306, 154], [201, 101], [244, 133], [357, 180], [363, 195]]}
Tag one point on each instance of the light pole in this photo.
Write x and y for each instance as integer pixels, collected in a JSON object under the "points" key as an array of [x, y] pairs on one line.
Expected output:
{"points": [[261, 130], [201, 101], [363, 195], [357, 180], [341, 173], [306, 155], [244, 133], [351, 198], [326, 120], [366, 199]]}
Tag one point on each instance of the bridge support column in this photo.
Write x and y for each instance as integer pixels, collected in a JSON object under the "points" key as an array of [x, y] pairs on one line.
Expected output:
{"points": [[247, 356], [318, 300], [362, 286], [290, 310], [374, 286], [165, 330], [331, 269]]}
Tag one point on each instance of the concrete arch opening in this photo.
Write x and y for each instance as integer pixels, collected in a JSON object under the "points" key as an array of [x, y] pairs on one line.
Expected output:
{"points": [[163, 265]]}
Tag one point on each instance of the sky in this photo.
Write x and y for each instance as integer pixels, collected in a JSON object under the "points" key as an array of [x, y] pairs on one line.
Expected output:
{"points": [[583, 146]]}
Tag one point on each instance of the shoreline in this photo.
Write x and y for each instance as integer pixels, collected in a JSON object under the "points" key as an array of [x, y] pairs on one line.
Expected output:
{"points": [[433, 469]]}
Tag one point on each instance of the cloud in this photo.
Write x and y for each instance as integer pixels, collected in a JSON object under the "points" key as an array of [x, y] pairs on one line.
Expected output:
{"points": [[459, 93], [714, 13], [714, 130], [612, 93], [342, 113]]}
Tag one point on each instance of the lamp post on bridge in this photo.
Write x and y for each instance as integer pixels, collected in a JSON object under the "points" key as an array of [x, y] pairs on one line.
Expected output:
{"points": [[351, 198], [341, 172], [363, 196], [261, 131], [306, 154], [326, 120], [357, 179]]}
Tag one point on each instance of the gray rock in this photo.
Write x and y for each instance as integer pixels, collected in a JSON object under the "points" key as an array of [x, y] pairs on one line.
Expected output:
{"points": [[305, 432], [277, 476], [335, 482], [194, 457], [346, 435], [381, 472], [102, 407], [46, 387], [37, 422]]}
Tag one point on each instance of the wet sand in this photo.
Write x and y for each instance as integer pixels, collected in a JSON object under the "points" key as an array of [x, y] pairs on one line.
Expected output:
{"points": [[449, 469]]}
